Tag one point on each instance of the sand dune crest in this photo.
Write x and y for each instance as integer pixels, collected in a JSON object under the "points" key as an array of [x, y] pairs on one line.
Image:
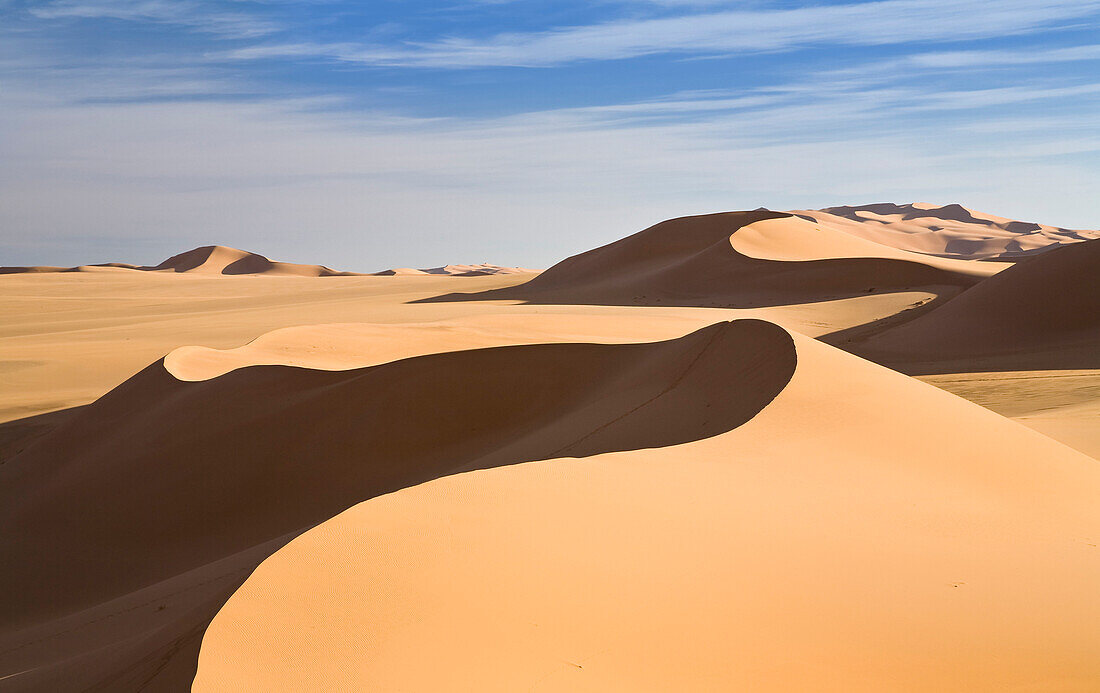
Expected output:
{"points": [[197, 472], [693, 261], [864, 532]]}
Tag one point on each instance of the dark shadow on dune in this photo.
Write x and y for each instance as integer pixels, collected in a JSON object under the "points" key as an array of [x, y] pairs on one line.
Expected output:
{"points": [[161, 476], [20, 434], [249, 264], [689, 262], [1042, 314]]}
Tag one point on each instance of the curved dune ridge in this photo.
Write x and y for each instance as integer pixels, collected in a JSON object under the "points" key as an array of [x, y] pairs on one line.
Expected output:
{"points": [[864, 532], [153, 503], [794, 238], [694, 261], [948, 230], [343, 346], [1047, 302]]}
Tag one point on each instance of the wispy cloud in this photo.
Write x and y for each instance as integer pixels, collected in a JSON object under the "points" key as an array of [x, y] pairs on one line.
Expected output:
{"points": [[725, 32], [195, 15], [393, 165]]}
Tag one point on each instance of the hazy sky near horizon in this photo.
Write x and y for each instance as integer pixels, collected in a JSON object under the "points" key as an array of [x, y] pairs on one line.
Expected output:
{"points": [[366, 135]]}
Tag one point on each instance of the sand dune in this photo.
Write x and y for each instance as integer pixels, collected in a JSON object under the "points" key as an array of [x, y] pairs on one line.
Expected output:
{"points": [[195, 473], [796, 239], [949, 230], [864, 532], [1044, 312], [208, 259], [218, 259], [754, 509], [694, 261], [67, 339], [481, 270]]}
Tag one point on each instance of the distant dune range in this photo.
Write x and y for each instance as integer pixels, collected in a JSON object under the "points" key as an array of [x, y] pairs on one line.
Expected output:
{"points": [[219, 259], [948, 230], [619, 475]]}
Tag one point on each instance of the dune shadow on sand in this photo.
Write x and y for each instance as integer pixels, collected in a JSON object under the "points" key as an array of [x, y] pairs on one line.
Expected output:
{"points": [[162, 478]]}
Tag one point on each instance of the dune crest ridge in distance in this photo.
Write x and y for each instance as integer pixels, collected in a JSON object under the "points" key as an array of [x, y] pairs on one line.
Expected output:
{"points": [[479, 270], [196, 482], [694, 261], [946, 230], [207, 259], [864, 532]]}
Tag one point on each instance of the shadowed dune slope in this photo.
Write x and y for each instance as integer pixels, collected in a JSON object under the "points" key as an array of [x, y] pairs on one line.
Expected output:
{"points": [[1031, 312], [691, 262], [864, 532], [161, 477]]}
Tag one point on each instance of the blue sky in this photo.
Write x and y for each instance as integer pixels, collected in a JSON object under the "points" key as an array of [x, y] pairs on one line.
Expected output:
{"points": [[412, 133]]}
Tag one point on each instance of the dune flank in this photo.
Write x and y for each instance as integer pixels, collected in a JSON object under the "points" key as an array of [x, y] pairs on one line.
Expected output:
{"points": [[694, 261], [1044, 312], [864, 532], [201, 474]]}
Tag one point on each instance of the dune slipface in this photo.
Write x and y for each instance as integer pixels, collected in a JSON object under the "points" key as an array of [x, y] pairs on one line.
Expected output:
{"points": [[165, 487], [692, 261], [1044, 312], [864, 532]]}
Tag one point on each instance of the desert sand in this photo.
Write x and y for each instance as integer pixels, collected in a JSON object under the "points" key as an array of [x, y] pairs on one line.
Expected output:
{"points": [[651, 467]]}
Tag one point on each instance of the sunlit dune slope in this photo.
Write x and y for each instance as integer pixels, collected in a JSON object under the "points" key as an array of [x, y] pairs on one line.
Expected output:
{"points": [[794, 238], [694, 261], [948, 230], [864, 532]]}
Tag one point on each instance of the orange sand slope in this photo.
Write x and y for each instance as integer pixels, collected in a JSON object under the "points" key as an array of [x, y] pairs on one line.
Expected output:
{"points": [[247, 460], [948, 230], [864, 532], [695, 261], [209, 259]]}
